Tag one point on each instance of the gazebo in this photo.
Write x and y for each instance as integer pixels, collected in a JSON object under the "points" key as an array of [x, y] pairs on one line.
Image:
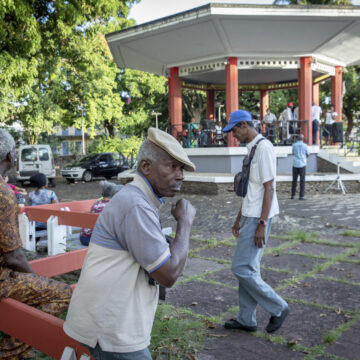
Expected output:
{"points": [[232, 48]]}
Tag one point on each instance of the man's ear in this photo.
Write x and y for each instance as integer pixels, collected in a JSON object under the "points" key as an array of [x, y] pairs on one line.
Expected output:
{"points": [[145, 167], [9, 157]]}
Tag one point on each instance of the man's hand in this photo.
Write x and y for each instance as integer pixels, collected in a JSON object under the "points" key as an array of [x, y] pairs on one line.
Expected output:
{"points": [[183, 211], [236, 228], [167, 274], [259, 238]]}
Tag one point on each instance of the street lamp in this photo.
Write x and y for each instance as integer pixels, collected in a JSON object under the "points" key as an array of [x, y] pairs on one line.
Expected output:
{"points": [[219, 112], [156, 114], [82, 130]]}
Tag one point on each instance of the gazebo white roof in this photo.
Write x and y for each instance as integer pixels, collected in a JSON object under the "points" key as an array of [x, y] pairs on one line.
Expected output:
{"points": [[267, 40]]}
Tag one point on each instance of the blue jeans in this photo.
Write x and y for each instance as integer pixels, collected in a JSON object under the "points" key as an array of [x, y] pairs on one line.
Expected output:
{"points": [[98, 354], [253, 290], [315, 129]]}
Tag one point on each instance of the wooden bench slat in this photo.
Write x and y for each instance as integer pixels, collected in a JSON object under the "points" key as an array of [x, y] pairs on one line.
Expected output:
{"points": [[59, 264], [36, 328]]}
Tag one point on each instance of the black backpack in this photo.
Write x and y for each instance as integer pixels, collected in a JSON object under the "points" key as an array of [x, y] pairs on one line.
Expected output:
{"points": [[241, 179]]}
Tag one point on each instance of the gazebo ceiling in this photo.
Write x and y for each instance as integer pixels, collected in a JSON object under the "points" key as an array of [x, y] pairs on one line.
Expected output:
{"points": [[267, 40]]}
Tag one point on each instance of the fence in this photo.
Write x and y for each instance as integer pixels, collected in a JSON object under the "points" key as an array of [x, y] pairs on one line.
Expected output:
{"points": [[30, 325], [60, 217], [279, 134]]}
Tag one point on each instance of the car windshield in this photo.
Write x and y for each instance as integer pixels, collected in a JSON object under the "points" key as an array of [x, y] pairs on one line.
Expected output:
{"points": [[84, 159]]}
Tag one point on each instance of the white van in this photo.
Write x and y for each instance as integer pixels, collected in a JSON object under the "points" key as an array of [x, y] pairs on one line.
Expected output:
{"points": [[33, 159]]}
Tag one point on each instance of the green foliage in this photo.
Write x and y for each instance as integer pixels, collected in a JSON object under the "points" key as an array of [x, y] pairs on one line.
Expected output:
{"points": [[57, 69], [312, 2], [351, 233], [174, 335], [128, 146]]}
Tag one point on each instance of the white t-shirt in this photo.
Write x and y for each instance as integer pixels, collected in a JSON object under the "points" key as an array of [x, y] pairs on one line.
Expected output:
{"points": [[262, 170], [269, 118], [316, 112], [330, 117]]}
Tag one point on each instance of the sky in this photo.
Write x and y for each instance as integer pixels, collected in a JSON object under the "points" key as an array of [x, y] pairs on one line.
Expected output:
{"points": [[148, 10]]}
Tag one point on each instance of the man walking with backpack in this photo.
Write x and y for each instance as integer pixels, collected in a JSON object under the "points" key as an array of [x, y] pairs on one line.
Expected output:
{"points": [[252, 227]]}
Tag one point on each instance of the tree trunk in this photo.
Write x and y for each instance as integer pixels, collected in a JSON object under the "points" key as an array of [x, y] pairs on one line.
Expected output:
{"points": [[350, 121], [109, 126]]}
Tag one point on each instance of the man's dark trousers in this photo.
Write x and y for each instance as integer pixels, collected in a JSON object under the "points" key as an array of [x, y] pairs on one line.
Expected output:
{"points": [[315, 129], [298, 171]]}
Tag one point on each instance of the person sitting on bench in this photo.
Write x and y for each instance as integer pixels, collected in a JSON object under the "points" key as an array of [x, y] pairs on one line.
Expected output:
{"points": [[17, 278]]}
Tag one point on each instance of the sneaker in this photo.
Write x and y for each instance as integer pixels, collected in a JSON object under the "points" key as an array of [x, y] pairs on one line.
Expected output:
{"points": [[302, 198], [276, 321], [292, 198], [235, 325]]}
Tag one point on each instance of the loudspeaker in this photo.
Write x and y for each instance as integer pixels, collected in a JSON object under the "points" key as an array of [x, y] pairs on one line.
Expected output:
{"points": [[337, 132], [207, 124]]}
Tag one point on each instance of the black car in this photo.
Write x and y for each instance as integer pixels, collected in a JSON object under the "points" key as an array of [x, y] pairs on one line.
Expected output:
{"points": [[104, 164]]}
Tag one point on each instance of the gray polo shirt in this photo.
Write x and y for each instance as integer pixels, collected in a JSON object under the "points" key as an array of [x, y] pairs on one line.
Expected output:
{"points": [[113, 303]]}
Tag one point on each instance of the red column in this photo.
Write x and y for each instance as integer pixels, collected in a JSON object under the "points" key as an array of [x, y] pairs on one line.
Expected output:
{"points": [[264, 102], [232, 92], [316, 94], [336, 91], [305, 97], [210, 104], [264, 105], [175, 102]]}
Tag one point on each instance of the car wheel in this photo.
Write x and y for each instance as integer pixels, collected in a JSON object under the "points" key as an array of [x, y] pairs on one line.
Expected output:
{"points": [[70, 181], [108, 177], [21, 183], [87, 177]]}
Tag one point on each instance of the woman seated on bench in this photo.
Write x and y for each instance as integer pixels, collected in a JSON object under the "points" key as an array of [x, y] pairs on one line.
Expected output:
{"points": [[41, 195], [108, 191]]}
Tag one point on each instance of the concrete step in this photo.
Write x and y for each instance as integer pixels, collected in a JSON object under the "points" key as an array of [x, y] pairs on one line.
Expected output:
{"points": [[349, 163], [341, 152], [350, 158]]}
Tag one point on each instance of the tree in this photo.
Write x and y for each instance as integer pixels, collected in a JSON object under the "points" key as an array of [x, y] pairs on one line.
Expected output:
{"points": [[55, 59], [312, 2]]}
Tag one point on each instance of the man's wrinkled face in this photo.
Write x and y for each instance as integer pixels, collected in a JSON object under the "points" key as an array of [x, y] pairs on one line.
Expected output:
{"points": [[166, 176]]}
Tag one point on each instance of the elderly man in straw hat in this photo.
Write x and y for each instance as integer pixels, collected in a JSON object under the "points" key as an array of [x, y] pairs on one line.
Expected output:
{"points": [[113, 306]]}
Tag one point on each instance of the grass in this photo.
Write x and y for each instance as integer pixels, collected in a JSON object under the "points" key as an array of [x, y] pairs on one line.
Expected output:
{"points": [[175, 335], [351, 233]]}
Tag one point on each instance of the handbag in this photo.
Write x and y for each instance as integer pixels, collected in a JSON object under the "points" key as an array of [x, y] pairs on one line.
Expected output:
{"points": [[241, 179]]}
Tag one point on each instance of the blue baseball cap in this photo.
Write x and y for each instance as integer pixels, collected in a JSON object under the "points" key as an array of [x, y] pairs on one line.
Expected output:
{"points": [[236, 117]]}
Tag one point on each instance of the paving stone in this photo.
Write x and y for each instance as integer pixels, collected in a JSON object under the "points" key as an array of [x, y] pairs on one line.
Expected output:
{"points": [[196, 244], [218, 252], [195, 266], [273, 242], [316, 249], [223, 276], [244, 346], [348, 345], [202, 298], [218, 235], [305, 325], [294, 263], [325, 292], [343, 271]]}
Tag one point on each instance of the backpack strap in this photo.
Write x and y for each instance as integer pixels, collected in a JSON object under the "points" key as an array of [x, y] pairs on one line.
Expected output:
{"points": [[252, 151]]}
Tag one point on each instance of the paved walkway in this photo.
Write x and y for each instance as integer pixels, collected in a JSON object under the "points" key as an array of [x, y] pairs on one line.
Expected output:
{"points": [[313, 260]]}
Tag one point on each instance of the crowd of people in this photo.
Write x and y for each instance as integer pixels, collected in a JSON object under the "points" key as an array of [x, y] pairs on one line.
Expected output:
{"points": [[284, 129], [207, 133]]}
